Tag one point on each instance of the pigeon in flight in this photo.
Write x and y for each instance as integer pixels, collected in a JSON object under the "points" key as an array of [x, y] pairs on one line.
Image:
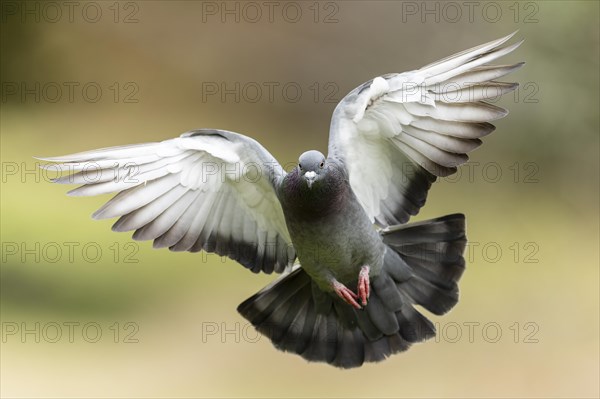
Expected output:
{"points": [[334, 226]]}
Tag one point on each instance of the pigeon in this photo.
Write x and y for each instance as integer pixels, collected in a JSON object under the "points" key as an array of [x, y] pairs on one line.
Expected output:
{"points": [[335, 227]]}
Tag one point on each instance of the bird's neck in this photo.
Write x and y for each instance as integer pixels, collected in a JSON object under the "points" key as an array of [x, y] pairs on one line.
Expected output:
{"points": [[325, 197]]}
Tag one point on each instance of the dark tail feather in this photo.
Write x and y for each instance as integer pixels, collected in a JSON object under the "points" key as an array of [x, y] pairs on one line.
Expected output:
{"points": [[433, 252], [422, 266]]}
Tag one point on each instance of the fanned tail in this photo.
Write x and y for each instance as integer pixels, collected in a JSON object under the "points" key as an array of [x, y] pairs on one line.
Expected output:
{"points": [[422, 266]]}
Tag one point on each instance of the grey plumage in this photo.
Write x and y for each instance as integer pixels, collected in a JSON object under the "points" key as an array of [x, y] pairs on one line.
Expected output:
{"points": [[341, 216]]}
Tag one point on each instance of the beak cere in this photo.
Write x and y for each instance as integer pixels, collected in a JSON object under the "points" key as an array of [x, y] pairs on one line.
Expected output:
{"points": [[310, 178]]}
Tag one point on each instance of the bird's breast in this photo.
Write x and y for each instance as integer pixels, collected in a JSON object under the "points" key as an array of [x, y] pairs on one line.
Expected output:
{"points": [[331, 232]]}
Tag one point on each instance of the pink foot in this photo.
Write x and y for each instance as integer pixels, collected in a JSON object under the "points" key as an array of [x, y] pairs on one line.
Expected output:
{"points": [[364, 287], [346, 294]]}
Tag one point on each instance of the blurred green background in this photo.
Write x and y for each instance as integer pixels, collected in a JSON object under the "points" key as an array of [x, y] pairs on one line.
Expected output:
{"points": [[533, 260]]}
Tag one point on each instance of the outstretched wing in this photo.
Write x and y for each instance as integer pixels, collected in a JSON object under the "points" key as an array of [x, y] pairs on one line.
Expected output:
{"points": [[397, 133], [209, 190]]}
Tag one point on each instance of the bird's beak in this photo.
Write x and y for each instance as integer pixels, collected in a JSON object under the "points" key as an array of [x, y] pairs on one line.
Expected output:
{"points": [[310, 178]]}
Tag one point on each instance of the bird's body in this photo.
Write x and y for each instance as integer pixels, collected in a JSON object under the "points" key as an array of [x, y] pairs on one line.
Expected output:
{"points": [[335, 227], [316, 215]]}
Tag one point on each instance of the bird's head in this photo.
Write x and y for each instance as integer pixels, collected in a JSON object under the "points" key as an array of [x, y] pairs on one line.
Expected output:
{"points": [[311, 166]]}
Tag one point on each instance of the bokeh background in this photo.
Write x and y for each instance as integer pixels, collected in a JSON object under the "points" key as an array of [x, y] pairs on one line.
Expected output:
{"points": [[527, 324]]}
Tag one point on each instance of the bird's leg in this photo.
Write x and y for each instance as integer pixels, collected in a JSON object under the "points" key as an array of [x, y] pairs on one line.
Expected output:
{"points": [[345, 293], [364, 286]]}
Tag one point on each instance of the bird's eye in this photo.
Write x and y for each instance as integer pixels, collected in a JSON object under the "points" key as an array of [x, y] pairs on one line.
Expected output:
{"points": [[322, 164], [300, 165]]}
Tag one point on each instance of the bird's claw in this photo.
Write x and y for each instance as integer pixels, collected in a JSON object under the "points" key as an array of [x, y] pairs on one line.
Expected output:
{"points": [[346, 294], [364, 286]]}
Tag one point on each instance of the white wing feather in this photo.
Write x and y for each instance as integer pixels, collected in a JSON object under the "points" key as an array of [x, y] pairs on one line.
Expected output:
{"points": [[190, 193], [397, 133]]}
